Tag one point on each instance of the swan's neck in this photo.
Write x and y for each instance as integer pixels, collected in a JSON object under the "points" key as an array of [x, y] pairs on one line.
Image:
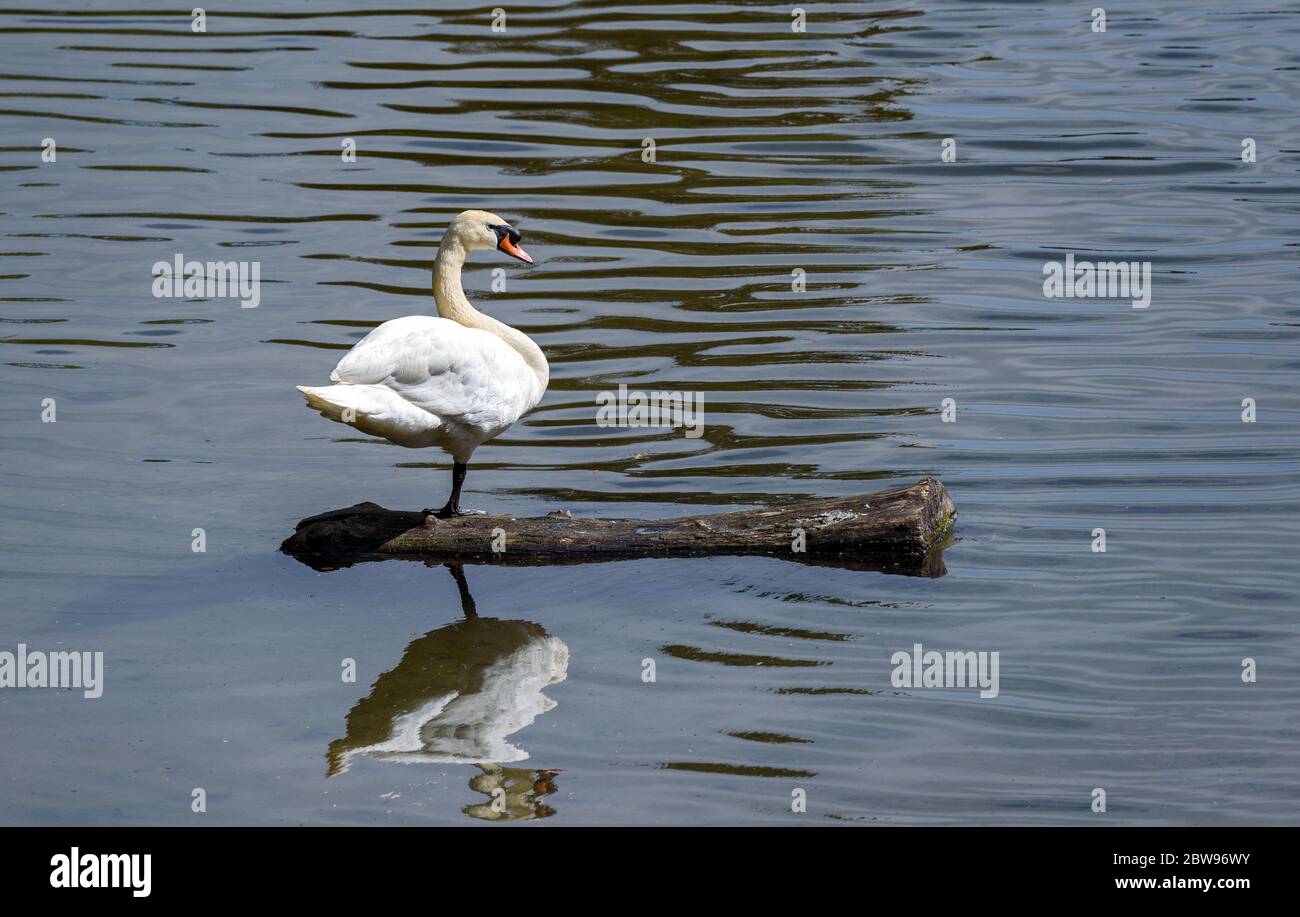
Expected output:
{"points": [[454, 305]]}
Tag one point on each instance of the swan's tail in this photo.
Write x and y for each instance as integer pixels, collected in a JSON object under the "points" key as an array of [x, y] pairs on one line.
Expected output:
{"points": [[376, 410]]}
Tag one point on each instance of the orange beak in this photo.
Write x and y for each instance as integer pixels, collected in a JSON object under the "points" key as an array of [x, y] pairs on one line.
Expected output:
{"points": [[507, 245]]}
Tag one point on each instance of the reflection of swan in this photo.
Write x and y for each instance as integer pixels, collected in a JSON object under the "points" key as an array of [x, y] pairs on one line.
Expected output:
{"points": [[457, 694], [514, 793], [453, 381]]}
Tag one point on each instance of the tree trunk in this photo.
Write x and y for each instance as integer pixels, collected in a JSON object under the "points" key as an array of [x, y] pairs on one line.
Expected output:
{"points": [[895, 531]]}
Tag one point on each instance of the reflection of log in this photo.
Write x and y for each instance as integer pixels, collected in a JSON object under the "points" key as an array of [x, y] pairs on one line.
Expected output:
{"points": [[896, 531]]}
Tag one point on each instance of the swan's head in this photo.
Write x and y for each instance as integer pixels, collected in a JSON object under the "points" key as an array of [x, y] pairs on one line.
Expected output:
{"points": [[479, 230]]}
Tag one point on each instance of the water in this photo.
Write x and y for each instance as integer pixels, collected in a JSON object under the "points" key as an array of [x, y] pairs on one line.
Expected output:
{"points": [[774, 151]]}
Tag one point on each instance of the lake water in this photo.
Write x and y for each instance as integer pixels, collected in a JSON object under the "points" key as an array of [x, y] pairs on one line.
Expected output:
{"points": [[775, 150]]}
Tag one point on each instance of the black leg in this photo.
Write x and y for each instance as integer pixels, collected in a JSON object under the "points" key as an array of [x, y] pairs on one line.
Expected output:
{"points": [[457, 478], [453, 503], [466, 600]]}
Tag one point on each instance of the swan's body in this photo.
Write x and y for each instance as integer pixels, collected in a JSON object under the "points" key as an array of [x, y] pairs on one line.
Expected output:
{"points": [[424, 381], [454, 381]]}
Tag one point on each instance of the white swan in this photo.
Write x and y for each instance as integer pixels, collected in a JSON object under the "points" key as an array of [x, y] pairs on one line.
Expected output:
{"points": [[455, 381]]}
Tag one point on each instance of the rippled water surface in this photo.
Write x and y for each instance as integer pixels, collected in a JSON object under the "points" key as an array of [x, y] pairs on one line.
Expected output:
{"points": [[774, 151]]}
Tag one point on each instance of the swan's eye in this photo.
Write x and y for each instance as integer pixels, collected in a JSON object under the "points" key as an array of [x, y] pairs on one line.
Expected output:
{"points": [[505, 231]]}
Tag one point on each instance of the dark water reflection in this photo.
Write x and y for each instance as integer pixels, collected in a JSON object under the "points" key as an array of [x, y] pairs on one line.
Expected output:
{"points": [[776, 152]]}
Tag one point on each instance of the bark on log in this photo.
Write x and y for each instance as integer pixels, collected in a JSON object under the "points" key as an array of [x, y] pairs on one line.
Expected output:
{"points": [[894, 531]]}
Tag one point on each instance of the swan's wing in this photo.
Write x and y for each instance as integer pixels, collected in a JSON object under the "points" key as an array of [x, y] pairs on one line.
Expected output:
{"points": [[458, 373], [369, 359]]}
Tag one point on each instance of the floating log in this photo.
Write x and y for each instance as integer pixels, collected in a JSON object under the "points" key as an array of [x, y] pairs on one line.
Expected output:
{"points": [[894, 531]]}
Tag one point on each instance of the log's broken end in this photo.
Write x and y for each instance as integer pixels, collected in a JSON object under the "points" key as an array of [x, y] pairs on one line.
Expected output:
{"points": [[896, 531]]}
